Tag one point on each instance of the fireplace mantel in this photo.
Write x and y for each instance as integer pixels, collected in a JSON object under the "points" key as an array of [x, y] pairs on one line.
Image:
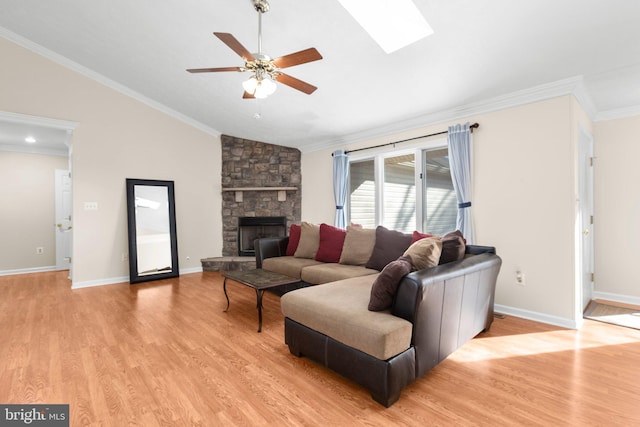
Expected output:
{"points": [[282, 191]]}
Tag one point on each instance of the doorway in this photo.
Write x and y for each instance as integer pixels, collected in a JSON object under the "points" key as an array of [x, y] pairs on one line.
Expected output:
{"points": [[64, 206], [585, 220], [40, 149]]}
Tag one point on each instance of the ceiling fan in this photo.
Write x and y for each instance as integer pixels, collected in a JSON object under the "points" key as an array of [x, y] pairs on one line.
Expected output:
{"points": [[266, 71]]}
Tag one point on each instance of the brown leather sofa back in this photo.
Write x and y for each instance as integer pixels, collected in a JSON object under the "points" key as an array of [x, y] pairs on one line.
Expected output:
{"points": [[448, 304]]}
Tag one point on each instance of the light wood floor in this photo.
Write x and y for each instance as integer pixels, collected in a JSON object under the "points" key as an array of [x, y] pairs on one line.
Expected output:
{"points": [[164, 353]]}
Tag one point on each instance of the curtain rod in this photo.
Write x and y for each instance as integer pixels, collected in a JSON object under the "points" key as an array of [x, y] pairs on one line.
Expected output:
{"points": [[471, 127]]}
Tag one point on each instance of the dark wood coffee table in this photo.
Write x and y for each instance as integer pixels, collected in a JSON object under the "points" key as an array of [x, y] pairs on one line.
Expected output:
{"points": [[258, 279]]}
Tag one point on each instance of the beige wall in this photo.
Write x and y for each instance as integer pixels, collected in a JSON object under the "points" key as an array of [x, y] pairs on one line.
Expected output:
{"points": [[117, 138], [27, 216], [617, 213], [524, 199], [524, 182]]}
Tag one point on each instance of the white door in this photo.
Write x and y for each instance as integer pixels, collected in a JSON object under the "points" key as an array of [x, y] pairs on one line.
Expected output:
{"points": [[585, 182], [63, 219]]}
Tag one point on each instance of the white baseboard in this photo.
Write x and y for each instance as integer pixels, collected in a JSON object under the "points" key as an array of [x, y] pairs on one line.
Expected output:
{"points": [[626, 299], [99, 282], [537, 317], [27, 270], [191, 270], [123, 279]]}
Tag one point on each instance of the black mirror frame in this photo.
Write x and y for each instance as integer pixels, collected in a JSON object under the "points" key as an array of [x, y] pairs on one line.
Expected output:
{"points": [[134, 276]]}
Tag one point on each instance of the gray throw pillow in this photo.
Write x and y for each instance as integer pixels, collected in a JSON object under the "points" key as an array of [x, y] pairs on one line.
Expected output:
{"points": [[390, 245], [453, 247]]}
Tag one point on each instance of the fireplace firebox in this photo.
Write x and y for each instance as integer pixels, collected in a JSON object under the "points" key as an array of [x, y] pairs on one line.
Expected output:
{"points": [[251, 228]]}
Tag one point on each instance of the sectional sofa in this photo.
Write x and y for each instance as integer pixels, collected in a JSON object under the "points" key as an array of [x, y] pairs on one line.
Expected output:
{"points": [[376, 321]]}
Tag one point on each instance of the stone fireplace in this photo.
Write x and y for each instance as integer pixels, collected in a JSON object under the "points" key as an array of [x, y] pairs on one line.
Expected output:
{"points": [[256, 168]]}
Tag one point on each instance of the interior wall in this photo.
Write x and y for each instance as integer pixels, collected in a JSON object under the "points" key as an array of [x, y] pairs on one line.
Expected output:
{"points": [[617, 210], [118, 137], [27, 216], [523, 200]]}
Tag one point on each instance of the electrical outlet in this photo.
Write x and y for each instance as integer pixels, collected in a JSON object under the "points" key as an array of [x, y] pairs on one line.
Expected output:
{"points": [[125, 257], [39, 250], [520, 278]]}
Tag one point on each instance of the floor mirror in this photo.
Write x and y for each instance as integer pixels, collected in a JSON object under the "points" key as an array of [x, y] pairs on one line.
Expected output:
{"points": [[153, 248]]}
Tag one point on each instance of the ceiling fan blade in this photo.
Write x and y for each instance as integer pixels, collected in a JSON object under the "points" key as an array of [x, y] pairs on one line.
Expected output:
{"points": [[247, 95], [213, 70], [297, 58], [296, 84], [235, 45]]}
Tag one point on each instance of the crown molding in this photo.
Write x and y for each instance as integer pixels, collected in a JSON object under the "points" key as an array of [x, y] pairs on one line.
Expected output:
{"points": [[38, 121], [583, 97], [571, 86], [74, 66], [618, 113], [32, 150]]}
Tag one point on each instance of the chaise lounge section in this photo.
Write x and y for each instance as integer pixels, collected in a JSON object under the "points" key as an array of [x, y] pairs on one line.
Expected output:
{"points": [[433, 312]]}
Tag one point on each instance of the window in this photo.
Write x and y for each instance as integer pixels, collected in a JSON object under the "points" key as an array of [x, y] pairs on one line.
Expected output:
{"points": [[399, 193], [388, 189], [440, 204], [362, 193]]}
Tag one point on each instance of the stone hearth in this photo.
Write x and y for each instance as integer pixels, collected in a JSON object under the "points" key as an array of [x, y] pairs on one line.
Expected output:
{"points": [[228, 263]]}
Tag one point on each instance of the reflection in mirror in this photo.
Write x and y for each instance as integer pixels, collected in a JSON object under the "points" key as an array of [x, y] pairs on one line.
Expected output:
{"points": [[152, 236], [152, 229]]}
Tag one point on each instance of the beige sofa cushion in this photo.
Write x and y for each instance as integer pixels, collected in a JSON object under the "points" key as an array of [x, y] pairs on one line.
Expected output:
{"points": [[288, 265], [331, 272], [339, 310], [309, 241], [358, 245]]}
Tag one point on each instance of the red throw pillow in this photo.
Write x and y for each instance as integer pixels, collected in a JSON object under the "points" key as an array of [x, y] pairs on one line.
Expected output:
{"points": [[294, 239], [419, 236], [331, 242]]}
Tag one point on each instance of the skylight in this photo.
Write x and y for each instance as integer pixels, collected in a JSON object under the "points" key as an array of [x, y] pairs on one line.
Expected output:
{"points": [[392, 24]]}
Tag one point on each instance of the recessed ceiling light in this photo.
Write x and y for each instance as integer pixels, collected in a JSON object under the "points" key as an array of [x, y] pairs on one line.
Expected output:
{"points": [[30, 139], [392, 24]]}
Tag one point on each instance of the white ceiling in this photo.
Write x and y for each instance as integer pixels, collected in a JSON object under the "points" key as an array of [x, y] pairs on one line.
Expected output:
{"points": [[481, 50]]}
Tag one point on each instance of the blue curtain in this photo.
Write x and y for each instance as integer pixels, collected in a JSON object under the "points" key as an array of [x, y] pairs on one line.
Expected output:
{"points": [[340, 182], [459, 141]]}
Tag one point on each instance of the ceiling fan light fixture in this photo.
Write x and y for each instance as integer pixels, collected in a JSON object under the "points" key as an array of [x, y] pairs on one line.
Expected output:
{"points": [[264, 88], [265, 71], [250, 85]]}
